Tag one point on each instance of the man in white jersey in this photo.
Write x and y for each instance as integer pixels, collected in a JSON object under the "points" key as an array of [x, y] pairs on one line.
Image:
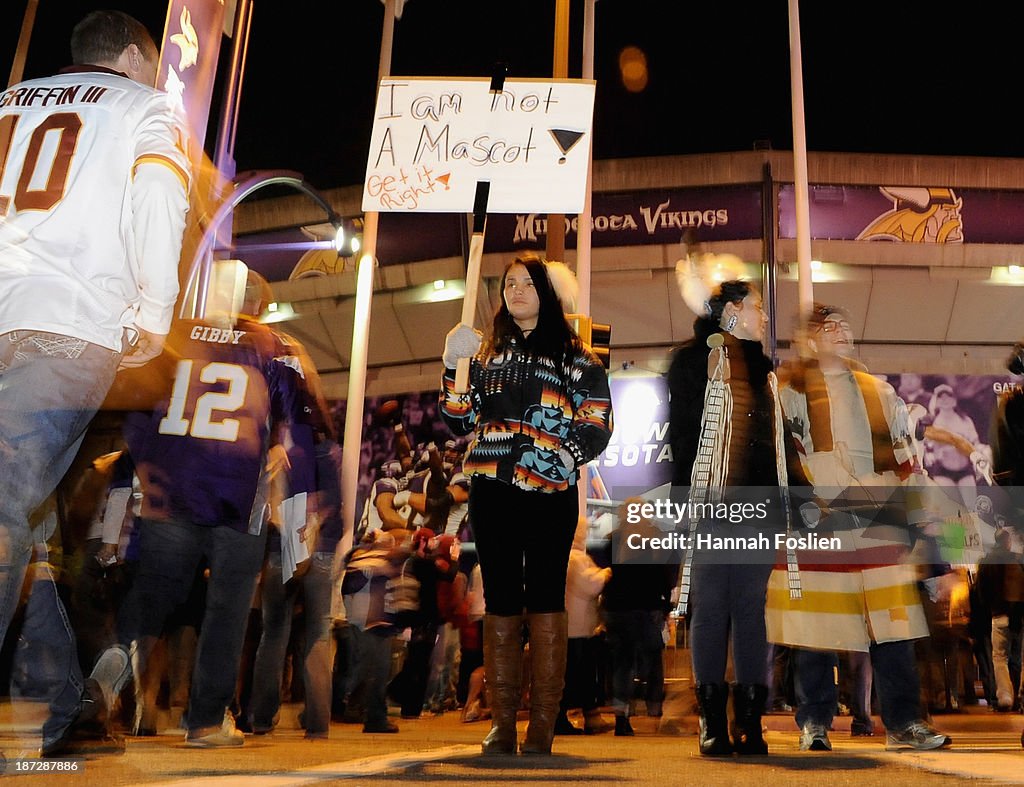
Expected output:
{"points": [[93, 195]]}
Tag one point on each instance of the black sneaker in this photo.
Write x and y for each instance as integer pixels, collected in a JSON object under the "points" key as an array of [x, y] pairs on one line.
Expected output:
{"points": [[565, 727], [385, 727], [622, 727], [89, 732]]}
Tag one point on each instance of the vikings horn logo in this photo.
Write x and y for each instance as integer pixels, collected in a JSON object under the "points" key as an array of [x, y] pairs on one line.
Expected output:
{"points": [[918, 215]]}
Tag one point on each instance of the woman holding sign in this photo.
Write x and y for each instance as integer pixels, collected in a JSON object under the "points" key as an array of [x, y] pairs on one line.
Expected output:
{"points": [[538, 404]]}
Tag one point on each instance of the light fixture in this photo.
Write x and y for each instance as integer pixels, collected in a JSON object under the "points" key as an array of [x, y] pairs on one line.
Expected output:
{"points": [[439, 284], [278, 312], [1013, 270]]}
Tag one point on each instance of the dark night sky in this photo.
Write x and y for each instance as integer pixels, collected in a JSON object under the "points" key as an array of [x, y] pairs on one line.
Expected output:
{"points": [[892, 77]]}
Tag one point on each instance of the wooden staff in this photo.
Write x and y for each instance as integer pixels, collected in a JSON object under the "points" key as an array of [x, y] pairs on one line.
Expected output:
{"points": [[711, 463], [476, 253]]}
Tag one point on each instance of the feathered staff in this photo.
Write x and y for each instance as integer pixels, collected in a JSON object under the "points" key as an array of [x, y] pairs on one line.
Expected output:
{"points": [[711, 464]]}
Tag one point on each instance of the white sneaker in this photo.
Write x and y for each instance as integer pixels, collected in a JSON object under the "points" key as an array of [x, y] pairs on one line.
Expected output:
{"points": [[916, 735], [814, 737], [216, 737], [111, 672]]}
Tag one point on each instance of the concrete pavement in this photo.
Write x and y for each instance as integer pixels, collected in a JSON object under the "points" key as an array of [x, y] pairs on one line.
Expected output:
{"points": [[443, 750]]}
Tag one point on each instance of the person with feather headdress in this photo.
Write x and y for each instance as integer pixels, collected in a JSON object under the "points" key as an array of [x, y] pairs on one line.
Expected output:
{"points": [[539, 407], [738, 432]]}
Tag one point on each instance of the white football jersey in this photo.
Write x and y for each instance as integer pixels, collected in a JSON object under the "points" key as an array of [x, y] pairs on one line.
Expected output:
{"points": [[93, 197]]}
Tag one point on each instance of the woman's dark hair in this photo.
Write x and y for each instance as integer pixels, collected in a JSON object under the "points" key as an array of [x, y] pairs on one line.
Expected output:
{"points": [[102, 36], [733, 291], [553, 335]]}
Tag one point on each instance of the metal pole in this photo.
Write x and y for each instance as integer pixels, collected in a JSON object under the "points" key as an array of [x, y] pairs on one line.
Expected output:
{"points": [[224, 152], [583, 228], [353, 438], [803, 220], [768, 272], [27, 23], [555, 246]]}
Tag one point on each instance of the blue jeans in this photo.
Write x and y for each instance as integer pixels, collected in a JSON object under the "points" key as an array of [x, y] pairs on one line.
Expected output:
{"points": [[50, 388], [279, 599], [895, 677], [728, 604], [169, 554]]}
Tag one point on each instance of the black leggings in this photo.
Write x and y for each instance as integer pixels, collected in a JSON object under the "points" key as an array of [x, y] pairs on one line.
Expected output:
{"points": [[523, 540]]}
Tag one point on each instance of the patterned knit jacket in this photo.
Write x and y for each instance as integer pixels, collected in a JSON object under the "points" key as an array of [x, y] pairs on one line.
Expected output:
{"points": [[524, 408]]}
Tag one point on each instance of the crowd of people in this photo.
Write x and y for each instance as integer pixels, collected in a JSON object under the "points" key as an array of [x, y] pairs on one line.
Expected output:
{"points": [[177, 539]]}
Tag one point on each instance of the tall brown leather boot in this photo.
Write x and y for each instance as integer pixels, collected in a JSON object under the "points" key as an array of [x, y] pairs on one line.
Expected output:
{"points": [[503, 665], [548, 642]]}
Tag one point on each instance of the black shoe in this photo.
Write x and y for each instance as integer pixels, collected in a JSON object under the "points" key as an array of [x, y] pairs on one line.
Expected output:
{"points": [[623, 727], [385, 727], [89, 732], [565, 727]]}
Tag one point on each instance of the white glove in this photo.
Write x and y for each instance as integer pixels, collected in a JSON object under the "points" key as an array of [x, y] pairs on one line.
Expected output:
{"points": [[401, 499], [461, 342]]}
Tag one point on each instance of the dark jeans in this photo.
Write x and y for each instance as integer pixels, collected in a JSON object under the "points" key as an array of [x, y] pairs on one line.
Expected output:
{"points": [[582, 687], [636, 646], [523, 540], [895, 677], [314, 587], [46, 667], [372, 656], [728, 603], [169, 553], [410, 685]]}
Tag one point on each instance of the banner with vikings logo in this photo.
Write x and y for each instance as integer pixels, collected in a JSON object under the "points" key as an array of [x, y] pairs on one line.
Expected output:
{"points": [[188, 60]]}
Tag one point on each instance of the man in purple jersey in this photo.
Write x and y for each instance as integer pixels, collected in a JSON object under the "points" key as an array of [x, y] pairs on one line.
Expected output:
{"points": [[233, 391]]}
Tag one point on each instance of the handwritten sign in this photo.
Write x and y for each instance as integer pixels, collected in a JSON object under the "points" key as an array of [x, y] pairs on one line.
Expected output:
{"points": [[434, 139]]}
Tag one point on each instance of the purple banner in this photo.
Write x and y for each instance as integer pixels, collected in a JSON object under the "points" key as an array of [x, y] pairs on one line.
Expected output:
{"points": [[188, 60], [906, 214]]}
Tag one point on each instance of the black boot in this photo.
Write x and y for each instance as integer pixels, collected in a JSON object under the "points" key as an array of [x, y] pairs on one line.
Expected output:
{"points": [[748, 704], [713, 725]]}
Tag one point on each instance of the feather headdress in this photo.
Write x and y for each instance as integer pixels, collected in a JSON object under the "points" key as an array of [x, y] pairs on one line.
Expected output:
{"points": [[698, 277], [564, 283]]}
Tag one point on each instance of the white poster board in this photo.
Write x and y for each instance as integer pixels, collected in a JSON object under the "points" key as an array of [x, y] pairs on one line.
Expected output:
{"points": [[434, 139]]}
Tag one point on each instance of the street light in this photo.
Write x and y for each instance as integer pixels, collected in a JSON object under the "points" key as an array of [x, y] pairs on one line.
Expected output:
{"points": [[245, 184]]}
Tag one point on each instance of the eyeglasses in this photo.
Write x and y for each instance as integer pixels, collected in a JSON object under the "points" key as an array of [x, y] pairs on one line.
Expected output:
{"points": [[831, 326]]}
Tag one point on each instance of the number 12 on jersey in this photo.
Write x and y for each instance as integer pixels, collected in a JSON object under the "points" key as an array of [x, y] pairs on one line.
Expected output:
{"points": [[203, 425]]}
